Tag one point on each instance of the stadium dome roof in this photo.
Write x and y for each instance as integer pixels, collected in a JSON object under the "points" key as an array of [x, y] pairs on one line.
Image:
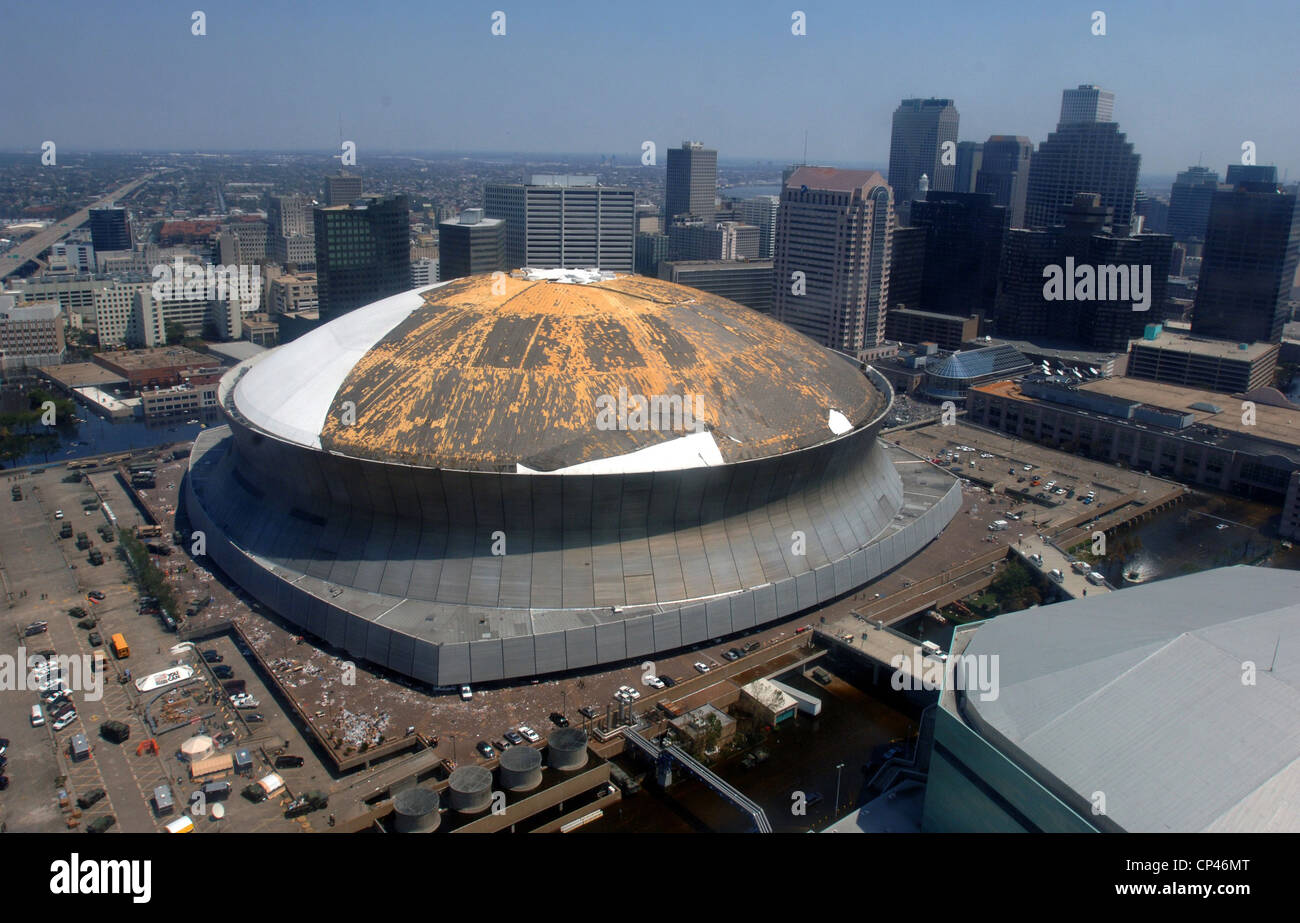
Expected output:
{"points": [[461, 376]]}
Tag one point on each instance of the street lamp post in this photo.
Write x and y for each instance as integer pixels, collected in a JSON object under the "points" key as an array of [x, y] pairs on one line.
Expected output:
{"points": [[839, 771]]}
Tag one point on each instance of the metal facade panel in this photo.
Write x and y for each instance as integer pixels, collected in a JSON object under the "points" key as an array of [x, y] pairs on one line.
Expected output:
{"points": [[551, 656], [580, 647], [611, 642], [640, 636], [517, 656], [694, 628], [453, 664], [486, 661]]}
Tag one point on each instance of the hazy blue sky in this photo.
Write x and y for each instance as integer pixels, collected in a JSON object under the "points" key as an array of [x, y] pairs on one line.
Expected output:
{"points": [[1192, 79]]}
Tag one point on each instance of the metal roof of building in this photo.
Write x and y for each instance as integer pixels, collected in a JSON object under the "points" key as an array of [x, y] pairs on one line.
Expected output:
{"points": [[1139, 695]]}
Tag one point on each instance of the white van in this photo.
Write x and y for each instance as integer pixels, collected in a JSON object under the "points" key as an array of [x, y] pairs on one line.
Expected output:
{"points": [[1056, 575], [181, 824], [38, 717], [1096, 578], [997, 525]]}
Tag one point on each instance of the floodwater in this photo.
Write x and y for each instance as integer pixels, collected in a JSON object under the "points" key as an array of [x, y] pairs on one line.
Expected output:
{"points": [[99, 436], [805, 752]]}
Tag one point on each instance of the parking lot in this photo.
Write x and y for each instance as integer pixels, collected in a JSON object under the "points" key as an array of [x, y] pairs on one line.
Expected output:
{"points": [[43, 577]]}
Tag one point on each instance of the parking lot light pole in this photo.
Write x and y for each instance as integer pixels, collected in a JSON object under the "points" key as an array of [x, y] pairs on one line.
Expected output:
{"points": [[839, 771]]}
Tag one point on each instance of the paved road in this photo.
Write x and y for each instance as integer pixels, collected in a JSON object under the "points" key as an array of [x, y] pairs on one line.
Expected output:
{"points": [[34, 246]]}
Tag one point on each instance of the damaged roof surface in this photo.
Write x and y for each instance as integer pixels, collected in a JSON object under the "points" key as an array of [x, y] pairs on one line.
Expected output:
{"points": [[464, 377]]}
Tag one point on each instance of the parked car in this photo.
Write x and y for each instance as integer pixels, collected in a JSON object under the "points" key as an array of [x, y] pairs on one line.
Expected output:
{"points": [[91, 797], [65, 721], [701, 666], [654, 682], [533, 736], [485, 749], [559, 720], [750, 647], [514, 738], [466, 693], [254, 718], [36, 628], [225, 739], [287, 761], [667, 680], [96, 595], [4, 745], [95, 639], [731, 654], [222, 671], [588, 712], [212, 655], [58, 514], [244, 700], [4, 782]]}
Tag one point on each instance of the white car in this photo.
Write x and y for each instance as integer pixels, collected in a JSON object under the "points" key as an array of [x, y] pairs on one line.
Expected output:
{"points": [[529, 734], [701, 666], [466, 693], [654, 682], [58, 514], [244, 700], [65, 721], [986, 455], [1029, 467]]}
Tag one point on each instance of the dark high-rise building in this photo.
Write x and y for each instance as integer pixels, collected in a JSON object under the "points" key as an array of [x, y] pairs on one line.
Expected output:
{"points": [[748, 283], [470, 244], [1004, 174], [707, 240], [692, 182], [1083, 156], [110, 229], [963, 246], [831, 270], [970, 158], [916, 148], [344, 188], [906, 267], [1251, 173], [1106, 280], [559, 221], [363, 253], [1252, 243], [1189, 203], [1154, 211], [651, 250]]}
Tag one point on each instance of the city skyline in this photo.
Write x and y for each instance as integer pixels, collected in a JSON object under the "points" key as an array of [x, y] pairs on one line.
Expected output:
{"points": [[307, 82]]}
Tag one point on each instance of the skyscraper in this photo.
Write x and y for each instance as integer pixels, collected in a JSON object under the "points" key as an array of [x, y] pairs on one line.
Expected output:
{"points": [[1252, 243], [470, 244], [970, 158], [110, 229], [363, 253], [963, 246], [921, 126], [1004, 174], [1250, 173], [1094, 316], [906, 267], [831, 268], [1083, 156], [692, 182], [565, 221], [1189, 203], [344, 188], [1087, 103], [761, 212]]}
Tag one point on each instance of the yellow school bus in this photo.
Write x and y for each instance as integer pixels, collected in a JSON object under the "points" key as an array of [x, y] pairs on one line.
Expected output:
{"points": [[120, 650]]}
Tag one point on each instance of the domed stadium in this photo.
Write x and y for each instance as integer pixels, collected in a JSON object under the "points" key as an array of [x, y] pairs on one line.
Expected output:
{"points": [[491, 479]]}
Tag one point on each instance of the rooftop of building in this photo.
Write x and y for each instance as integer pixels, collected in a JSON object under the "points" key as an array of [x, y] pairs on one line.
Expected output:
{"points": [[1141, 695], [156, 357], [1276, 424], [1204, 346], [832, 179], [82, 375], [721, 264]]}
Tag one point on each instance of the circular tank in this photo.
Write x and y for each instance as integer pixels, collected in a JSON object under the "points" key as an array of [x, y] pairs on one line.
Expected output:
{"points": [[521, 769], [196, 748], [415, 810], [568, 749], [471, 789]]}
